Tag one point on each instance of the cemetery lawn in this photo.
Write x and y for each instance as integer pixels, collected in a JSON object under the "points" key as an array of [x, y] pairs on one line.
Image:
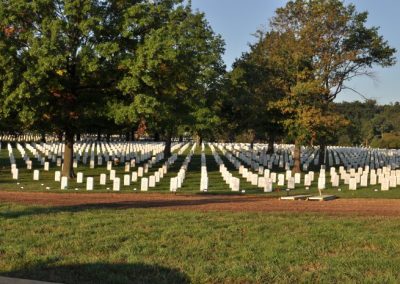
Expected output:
{"points": [[107, 245]]}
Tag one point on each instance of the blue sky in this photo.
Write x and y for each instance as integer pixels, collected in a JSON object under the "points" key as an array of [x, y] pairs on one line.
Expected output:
{"points": [[237, 20]]}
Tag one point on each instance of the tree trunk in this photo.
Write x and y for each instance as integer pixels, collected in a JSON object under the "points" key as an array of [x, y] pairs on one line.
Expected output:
{"points": [[180, 138], [98, 135], [271, 141], [296, 158], [322, 150], [231, 137], [252, 143], [167, 149], [199, 139], [128, 136], [108, 137], [78, 136], [43, 137], [133, 135], [68, 170], [157, 137], [60, 136]]}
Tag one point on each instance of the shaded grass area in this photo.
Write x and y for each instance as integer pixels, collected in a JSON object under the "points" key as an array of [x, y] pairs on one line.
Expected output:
{"points": [[81, 245], [191, 184]]}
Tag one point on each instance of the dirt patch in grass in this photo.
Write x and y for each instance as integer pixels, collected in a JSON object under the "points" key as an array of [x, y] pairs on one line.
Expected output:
{"points": [[370, 207]]}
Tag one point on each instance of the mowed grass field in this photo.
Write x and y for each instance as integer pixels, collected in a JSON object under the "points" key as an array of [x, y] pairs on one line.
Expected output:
{"points": [[100, 245]]}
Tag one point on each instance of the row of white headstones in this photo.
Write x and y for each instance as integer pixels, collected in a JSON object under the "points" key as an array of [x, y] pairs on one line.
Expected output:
{"points": [[350, 157], [146, 182], [385, 176]]}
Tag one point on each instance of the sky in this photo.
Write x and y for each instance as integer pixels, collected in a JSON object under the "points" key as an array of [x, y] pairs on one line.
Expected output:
{"points": [[237, 20]]}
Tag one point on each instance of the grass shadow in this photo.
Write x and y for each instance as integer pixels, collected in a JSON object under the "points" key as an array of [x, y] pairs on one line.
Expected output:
{"points": [[100, 273], [121, 205]]}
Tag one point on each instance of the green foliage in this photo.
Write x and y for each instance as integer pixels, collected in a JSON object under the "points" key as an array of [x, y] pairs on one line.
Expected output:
{"points": [[387, 140], [318, 46], [370, 124], [56, 63], [177, 68], [253, 88]]}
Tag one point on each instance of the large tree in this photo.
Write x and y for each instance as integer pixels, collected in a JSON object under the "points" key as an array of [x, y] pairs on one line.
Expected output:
{"points": [[59, 62], [177, 65], [255, 87], [320, 45]]}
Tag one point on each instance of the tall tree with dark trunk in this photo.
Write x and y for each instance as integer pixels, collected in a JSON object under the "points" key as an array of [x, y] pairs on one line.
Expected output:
{"points": [[170, 71], [320, 45], [254, 89], [59, 62]]}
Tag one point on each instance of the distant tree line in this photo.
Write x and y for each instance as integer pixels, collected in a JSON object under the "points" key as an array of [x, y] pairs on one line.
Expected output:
{"points": [[369, 124]]}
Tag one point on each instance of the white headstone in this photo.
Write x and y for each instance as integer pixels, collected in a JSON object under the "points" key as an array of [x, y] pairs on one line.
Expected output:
{"points": [[103, 179], [127, 180], [281, 179], [140, 171], [254, 179], [173, 184], [321, 182], [36, 175], [235, 184], [364, 180], [372, 178], [134, 177], [57, 176], [144, 184], [203, 183], [89, 183], [157, 176], [353, 183], [307, 180], [262, 182], [79, 177], [109, 165], [297, 178], [116, 184], [385, 184], [335, 180], [179, 181], [46, 166], [64, 182], [273, 177], [15, 174], [112, 174], [268, 185], [152, 181], [291, 183]]}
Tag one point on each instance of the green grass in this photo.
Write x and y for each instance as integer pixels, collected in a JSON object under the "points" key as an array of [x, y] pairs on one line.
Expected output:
{"points": [[191, 184], [111, 245]]}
